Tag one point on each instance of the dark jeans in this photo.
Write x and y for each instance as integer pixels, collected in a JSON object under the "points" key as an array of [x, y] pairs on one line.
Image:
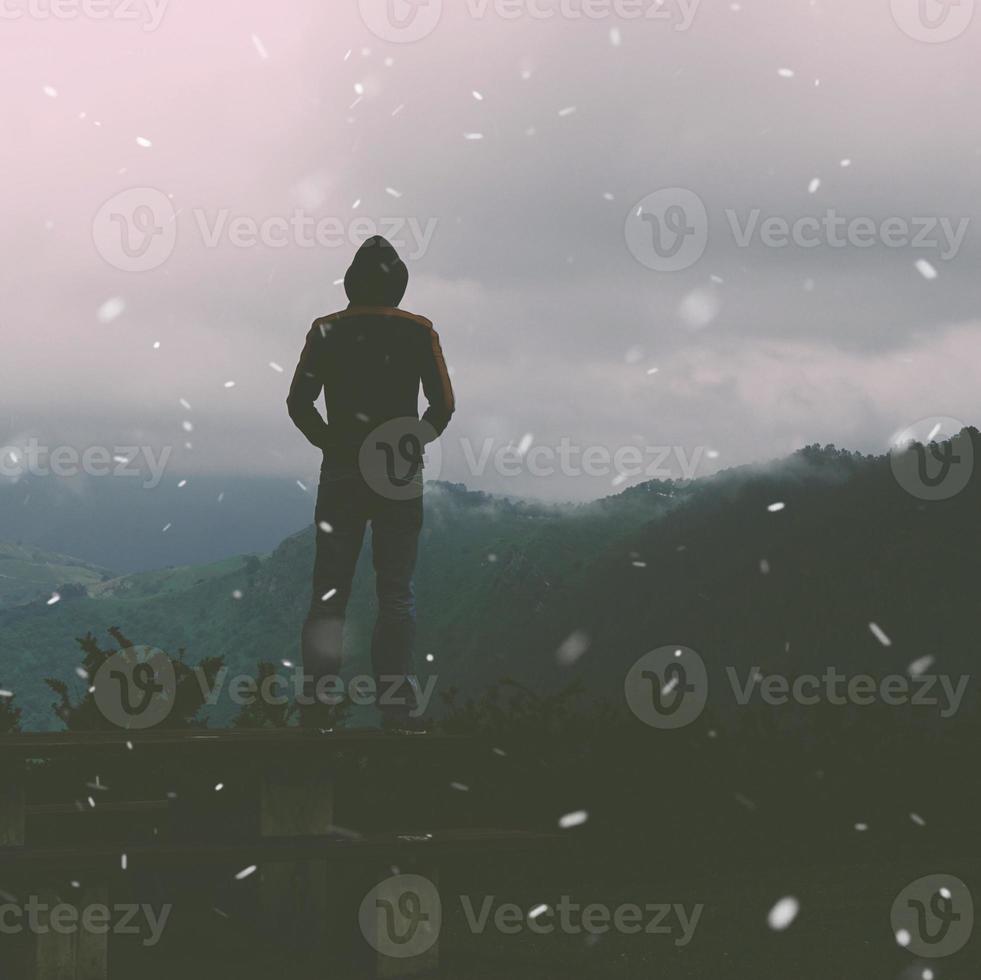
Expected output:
{"points": [[347, 504]]}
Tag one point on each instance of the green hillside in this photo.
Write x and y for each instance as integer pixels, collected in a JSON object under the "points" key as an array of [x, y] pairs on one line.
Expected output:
{"points": [[476, 553], [28, 574], [502, 583]]}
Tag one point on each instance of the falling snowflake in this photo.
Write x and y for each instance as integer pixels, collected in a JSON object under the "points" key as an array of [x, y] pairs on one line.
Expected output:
{"points": [[880, 634], [260, 47], [782, 914], [111, 309], [572, 648]]}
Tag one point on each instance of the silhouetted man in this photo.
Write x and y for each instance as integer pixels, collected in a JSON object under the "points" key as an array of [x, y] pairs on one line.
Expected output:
{"points": [[369, 361]]}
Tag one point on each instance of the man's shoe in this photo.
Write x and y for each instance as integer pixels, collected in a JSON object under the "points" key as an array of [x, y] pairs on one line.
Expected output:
{"points": [[317, 719], [404, 725]]}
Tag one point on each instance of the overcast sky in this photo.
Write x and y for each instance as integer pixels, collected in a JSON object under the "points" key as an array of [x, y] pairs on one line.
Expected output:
{"points": [[509, 154]]}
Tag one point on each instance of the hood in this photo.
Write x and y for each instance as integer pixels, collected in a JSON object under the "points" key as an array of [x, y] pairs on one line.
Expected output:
{"points": [[377, 276]]}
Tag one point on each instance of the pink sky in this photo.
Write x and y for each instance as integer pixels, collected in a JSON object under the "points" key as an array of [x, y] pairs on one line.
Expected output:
{"points": [[549, 324]]}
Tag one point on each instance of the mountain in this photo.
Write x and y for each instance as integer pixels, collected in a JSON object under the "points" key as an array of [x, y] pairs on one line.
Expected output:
{"points": [[129, 526], [852, 571], [28, 574]]}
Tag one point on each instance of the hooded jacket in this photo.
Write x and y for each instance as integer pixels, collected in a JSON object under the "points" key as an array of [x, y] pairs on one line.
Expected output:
{"points": [[369, 361]]}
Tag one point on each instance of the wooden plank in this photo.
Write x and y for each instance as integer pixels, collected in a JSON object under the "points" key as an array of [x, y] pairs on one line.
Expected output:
{"points": [[333, 847], [55, 952], [44, 744], [12, 812], [410, 918], [119, 806], [296, 801], [92, 948], [70, 952]]}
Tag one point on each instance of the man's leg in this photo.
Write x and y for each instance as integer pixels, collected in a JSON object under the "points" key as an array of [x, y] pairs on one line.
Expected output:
{"points": [[395, 526], [341, 519]]}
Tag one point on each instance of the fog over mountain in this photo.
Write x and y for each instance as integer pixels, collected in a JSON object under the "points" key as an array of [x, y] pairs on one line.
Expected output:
{"points": [[516, 241]]}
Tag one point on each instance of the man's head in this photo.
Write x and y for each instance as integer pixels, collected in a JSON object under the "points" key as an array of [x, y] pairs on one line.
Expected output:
{"points": [[377, 276]]}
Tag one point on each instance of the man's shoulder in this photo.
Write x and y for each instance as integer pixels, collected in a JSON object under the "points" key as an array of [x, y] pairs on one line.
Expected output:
{"points": [[324, 323]]}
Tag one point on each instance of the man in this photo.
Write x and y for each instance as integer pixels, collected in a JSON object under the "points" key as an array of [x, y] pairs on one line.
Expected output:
{"points": [[369, 361]]}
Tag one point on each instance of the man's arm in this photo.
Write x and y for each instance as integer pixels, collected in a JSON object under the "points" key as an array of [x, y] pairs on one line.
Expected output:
{"points": [[304, 392], [436, 385]]}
